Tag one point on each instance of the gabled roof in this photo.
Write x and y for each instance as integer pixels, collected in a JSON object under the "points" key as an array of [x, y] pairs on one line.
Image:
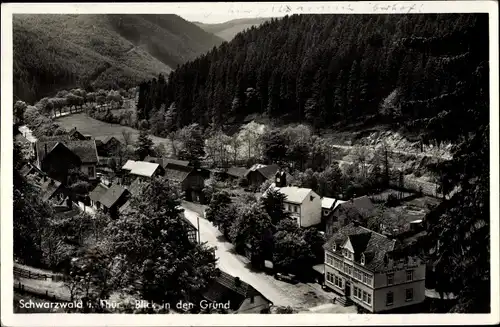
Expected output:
{"points": [[112, 195], [364, 240], [293, 194], [362, 205], [86, 150], [129, 165], [75, 133], [143, 168], [268, 171], [109, 138], [229, 288], [177, 173], [236, 171], [327, 203], [48, 188], [20, 138], [165, 161], [135, 186], [98, 192]]}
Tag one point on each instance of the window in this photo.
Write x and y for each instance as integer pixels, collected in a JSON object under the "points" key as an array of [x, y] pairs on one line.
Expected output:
{"points": [[367, 279], [338, 264], [389, 299], [91, 171], [364, 296], [329, 259], [329, 277], [347, 269], [369, 299], [409, 275], [409, 294], [338, 282], [295, 208], [357, 274], [356, 290], [390, 278]]}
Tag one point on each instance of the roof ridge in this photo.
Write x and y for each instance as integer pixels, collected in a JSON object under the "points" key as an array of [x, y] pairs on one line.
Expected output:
{"points": [[372, 231]]}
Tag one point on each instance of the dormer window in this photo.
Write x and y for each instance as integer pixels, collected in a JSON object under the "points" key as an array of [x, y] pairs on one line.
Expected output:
{"points": [[363, 259], [334, 247], [311, 198]]}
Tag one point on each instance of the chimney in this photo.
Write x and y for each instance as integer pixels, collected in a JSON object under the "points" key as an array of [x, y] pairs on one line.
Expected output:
{"points": [[283, 178], [45, 148], [252, 298], [237, 281], [355, 223]]}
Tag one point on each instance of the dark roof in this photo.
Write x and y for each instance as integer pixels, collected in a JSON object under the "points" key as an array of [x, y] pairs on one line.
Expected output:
{"points": [[26, 169], [112, 195], [165, 161], [98, 142], [227, 288], [98, 192], [109, 138], [236, 171], [135, 186], [177, 172], [361, 206], [75, 132], [86, 150], [268, 171], [48, 188], [374, 245], [20, 138]]}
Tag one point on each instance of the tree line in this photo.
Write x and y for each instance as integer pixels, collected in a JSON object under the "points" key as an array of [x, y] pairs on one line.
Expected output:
{"points": [[324, 69]]}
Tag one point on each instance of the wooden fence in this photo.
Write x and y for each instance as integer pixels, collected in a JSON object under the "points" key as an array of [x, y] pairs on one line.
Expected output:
{"points": [[26, 273], [44, 294]]}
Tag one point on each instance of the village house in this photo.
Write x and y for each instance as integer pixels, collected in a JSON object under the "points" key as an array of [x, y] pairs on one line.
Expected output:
{"points": [[344, 212], [191, 180], [370, 270], [75, 135], [242, 297], [259, 173], [140, 169], [58, 155], [109, 200], [229, 174], [164, 161], [108, 146], [303, 204]]}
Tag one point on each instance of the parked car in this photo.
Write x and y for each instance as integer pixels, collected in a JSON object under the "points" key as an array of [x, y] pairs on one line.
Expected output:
{"points": [[290, 278]]}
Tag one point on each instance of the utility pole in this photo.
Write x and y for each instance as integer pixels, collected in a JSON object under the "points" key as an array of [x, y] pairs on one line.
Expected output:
{"points": [[198, 221]]}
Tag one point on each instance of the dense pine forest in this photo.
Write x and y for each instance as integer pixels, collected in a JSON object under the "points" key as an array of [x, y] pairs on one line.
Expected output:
{"points": [[54, 52], [326, 69]]}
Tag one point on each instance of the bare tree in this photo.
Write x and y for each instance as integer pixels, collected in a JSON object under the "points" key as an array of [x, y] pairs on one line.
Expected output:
{"points": [[127, 137]]}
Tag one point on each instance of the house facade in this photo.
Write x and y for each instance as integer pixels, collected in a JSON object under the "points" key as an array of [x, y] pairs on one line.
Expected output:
{"points": [[57, 155], [303, 204], [259, 173], [369, 270], [345, 212], [191, 180]]}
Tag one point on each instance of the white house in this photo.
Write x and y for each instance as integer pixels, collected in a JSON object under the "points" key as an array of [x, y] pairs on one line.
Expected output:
{"points": [[302, 203], [368, 269]]}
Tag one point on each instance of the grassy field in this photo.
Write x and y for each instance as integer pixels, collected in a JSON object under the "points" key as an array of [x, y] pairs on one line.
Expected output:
{"points": [[100, 130]]}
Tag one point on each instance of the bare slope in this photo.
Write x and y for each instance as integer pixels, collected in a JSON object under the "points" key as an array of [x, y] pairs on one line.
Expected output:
{"points": [[61, 51]]}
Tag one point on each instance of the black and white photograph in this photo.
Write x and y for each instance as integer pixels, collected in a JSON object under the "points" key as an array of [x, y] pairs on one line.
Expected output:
{"points": [[332, 158]]}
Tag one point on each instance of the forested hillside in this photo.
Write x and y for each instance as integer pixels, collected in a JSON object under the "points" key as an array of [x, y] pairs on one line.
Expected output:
{"points": [[228, 30], [327, 69], [53, 52]]}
